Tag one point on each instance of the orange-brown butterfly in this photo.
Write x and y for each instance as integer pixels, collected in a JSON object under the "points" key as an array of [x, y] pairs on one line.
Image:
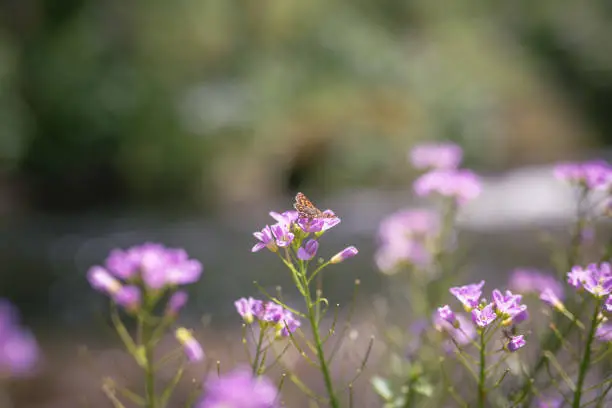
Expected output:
{"points": [[306, 209]]}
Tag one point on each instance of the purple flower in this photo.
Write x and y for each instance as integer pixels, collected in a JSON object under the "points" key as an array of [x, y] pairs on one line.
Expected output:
{"points": [[576, 276], [446, 313], [515, 343], [101, 280], [591, 174], [177, 301], [607, 307], [343, 255], [485, 316], [549, 297], [436, 156], [469, 295], [604, 332], [549, 402], [309, 250], [157, 265], [239, 389], [461, 185], [462, 332], [249, 308], [286, 218], [19, 350], [509, 306], [282, 235], [598, 280], [193, 349], [288, 325], [532, 281], [266, 240], [318, 224], [404, 239], [129, 297]]}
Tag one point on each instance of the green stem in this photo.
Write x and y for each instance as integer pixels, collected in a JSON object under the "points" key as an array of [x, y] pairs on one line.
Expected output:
{"points": [[149, 367], [586, 358], [256, 364], [482, 392]]}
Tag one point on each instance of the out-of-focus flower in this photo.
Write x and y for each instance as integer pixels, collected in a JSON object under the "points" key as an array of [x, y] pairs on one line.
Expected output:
{"points": [[549, 297], [591, 174], [177, 301], [484, 317], [596, 279], [343, 255], [468, 295], [308, 250], [461, 185], [156, 265], [516, 342], [549, 402], [193, 349], [266, 240], [446, 313], [462, 332], [239, 389], [604, 332], [129, 297], [19, 350], [532, 281], [436, 156], [318, 224], [607, 307], [248, 308], [405, 238]]}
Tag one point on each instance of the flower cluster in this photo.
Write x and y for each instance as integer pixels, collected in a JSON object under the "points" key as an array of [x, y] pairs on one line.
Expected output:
{"points": [[405, 238], [268, 314], [436, 156], [18, 349], [239, 389], [150, 267], [594, 174], [506, 309], [525, 281], [595, 279], [444, 177]]}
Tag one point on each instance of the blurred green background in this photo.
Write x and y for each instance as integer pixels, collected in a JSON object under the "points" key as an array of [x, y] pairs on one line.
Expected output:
{"points": [[186, 121]]}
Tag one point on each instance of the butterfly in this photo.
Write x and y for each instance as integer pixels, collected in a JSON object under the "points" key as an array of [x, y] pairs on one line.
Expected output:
{"points": [[306, 209]]}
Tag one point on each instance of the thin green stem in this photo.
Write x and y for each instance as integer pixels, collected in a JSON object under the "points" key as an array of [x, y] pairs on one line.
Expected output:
{"points": [[586, 358], [149, 368], [482, 391], [256, 363]]}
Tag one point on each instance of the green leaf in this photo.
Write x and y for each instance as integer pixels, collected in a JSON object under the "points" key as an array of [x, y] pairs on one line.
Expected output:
{"points": [[381, 387]]}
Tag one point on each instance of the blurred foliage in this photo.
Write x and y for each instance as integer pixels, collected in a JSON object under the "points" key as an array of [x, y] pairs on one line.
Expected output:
{"points": [[159, 103]]}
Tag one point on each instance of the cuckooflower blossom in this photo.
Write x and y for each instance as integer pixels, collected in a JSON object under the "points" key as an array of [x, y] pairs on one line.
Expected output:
{"points": [[596, 279], [461, 185], [239, 389], [266, 240], [177, 301], [249, 308], [484, 317], [155, 264], [436, 156], [462, 331], [509, 307], [446, 313], [549, 297], [532, 281], [549, 402], [607, 307], [591, 174], [129, 297], [19, 350], [516, 342], [405, 238], [318, 224], [193, 349], [604, 332], [308, 250], [282, 235], [343, 255], [468, 295]]}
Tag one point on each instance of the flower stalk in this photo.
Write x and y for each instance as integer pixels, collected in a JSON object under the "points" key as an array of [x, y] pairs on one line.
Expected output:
{"points": [[586, 358]]}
